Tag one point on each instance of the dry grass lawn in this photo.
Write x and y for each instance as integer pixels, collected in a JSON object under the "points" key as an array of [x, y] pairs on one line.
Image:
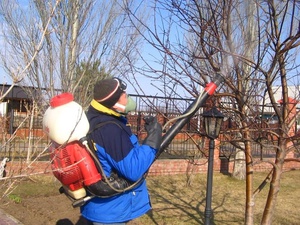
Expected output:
{"points": [[173, 201]]}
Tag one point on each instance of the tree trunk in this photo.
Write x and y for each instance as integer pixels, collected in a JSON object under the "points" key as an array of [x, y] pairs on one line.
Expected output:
{"points": [[239, 169], [249, 212], [273, 191]]}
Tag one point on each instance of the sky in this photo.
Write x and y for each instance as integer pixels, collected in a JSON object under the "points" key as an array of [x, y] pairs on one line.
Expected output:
{"points": [[4, 78], [143, 81]]}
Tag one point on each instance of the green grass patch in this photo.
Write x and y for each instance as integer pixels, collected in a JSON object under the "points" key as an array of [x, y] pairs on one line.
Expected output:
{"points": [[15, 198]]}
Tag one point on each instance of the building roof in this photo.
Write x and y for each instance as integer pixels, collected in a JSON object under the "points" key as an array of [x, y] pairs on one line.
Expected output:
{"points": [[17, 92]]}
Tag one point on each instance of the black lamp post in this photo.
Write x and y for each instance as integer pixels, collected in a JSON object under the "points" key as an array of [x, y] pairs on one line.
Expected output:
{"points": [[213, 119]]}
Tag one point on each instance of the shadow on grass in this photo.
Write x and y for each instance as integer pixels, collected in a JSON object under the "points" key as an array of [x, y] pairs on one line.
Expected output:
{"points": [[186, 205]]}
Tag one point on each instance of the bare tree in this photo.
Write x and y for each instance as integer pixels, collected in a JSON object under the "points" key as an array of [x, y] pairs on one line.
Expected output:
{"points": [[65, 46], [253, 44], [45, 41]]}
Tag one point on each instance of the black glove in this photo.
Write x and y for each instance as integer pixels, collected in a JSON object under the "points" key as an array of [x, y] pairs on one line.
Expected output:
{"points": [[154, 132]]}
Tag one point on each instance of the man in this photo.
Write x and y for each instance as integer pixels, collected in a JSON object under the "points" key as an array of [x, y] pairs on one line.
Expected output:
{"points": [[119, 153]]}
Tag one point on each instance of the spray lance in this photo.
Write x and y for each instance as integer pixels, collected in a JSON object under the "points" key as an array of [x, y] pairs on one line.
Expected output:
{"points": [[182, 120]]}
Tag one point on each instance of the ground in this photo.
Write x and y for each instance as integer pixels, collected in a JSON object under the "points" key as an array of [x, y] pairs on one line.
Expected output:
{"points": [[55, 209], [38, 202], [48, 210], [41, 205], [45, 211]]}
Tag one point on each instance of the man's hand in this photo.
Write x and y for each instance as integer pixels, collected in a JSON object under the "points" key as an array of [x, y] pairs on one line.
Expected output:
{"points": [[154, 132]]}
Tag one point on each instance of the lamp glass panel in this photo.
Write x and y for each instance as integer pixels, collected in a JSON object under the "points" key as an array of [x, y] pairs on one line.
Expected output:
{"points": [[212, 126]]}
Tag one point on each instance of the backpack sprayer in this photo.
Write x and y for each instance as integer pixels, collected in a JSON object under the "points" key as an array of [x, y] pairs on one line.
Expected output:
{"points": [[73, 161]]}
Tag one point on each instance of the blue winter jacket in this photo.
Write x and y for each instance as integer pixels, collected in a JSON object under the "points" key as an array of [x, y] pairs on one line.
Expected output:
{"points": [[118, 150]]}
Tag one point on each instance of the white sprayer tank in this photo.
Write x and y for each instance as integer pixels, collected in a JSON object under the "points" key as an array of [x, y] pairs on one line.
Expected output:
{"points": [[65, 121]]}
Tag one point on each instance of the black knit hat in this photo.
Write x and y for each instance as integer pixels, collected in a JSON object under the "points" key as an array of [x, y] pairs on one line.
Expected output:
{"points": [[108, 91]]}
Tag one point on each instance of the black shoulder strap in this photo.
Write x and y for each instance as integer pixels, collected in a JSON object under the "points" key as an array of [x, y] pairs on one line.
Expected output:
{"points": [[91, 143]]}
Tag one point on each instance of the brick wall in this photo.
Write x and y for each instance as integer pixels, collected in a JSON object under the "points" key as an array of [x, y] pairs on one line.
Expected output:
{"points": [[160, 167], [166, 166]]}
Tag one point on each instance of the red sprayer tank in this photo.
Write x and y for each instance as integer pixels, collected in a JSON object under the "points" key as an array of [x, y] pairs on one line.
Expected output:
{"points": [[66, 123]]}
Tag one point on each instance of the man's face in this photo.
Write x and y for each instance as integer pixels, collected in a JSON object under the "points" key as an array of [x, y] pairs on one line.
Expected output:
{"points": [[122, 101]]}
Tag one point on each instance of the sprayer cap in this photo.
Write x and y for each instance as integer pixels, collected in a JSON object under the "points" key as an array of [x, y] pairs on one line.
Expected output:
{"points": [[61, 99]]}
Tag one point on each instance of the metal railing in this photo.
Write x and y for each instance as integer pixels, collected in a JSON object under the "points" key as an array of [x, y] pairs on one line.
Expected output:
{"points": [[23, 138]]}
